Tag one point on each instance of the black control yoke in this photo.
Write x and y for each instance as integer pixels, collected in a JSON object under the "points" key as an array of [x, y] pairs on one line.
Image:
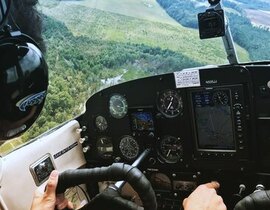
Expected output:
{"points": [[257, 200], [115, 172]]}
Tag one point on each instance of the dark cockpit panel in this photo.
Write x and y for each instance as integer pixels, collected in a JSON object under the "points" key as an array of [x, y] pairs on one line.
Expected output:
{"points": [[200, 124]]}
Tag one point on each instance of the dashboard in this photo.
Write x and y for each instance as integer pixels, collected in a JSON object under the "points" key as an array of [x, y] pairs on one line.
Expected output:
{"points": [[200, 124]]}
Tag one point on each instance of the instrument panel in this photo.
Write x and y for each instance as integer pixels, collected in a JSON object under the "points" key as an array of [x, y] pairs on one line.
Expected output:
{"points": [[200, 124]]}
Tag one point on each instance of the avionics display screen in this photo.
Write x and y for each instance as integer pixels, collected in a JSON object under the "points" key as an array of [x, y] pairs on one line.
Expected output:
{"points": [[213, 119], [142, 121]]}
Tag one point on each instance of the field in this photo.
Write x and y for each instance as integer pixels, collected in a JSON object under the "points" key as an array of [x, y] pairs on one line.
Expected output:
{"points": [[104, 21], [144, 9]]}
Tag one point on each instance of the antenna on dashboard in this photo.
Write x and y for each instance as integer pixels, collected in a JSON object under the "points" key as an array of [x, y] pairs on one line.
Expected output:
{"points": [[214, 23]]}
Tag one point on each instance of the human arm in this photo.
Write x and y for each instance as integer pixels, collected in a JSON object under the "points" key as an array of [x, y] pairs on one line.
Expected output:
{"points": [[48, 200], [204, 197]]}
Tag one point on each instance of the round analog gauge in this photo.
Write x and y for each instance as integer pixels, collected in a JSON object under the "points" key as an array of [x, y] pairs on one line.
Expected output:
{"points": [[101, 123], [104, 147], [118, 106], [129, 147], [220, 98], [170, 103], [170, 149]]}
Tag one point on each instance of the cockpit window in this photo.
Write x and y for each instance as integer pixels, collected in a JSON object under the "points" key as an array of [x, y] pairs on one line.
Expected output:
{"points": [[95, 44]]}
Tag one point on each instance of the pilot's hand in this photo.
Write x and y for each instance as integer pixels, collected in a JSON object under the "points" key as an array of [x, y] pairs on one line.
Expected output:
{"points": [[204, 197], [49, 200]]}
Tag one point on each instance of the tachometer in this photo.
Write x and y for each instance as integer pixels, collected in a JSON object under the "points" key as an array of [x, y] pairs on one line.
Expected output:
{"points": [[118, 106], [170, 103], [104, 147], [129, 147], [170, 149]]}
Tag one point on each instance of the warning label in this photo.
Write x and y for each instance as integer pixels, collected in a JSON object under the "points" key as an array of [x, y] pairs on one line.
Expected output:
{"points": [[187, 78]]}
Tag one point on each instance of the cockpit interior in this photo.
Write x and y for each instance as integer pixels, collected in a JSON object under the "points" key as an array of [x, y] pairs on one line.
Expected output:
{"points": [[178, 130]]}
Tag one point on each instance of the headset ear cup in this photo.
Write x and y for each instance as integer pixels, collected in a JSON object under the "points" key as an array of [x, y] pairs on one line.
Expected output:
{"points": [[23, 84]]}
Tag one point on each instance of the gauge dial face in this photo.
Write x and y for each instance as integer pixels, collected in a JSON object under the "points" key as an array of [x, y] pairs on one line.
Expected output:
{"points": [[129, 147], [101, 123], [170, 103], [170, 149], [118, 106], [104, 147], [220, 98]]}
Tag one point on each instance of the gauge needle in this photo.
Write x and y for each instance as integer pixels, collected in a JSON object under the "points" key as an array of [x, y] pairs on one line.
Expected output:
{"points": [[168, 153], [220, 100], [170, 104]]}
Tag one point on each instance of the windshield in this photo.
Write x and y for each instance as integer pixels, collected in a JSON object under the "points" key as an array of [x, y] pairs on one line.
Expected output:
{"points": [[92, 44]]}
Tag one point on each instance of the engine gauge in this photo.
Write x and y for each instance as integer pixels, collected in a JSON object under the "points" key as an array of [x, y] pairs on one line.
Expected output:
{"points": [[220, 98], [104, 147], [170, 103], [101, 123], [129, 147], [118, 106], [170, 149]]}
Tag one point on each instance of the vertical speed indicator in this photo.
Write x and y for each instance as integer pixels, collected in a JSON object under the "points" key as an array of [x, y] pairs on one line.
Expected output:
{"points": [[170, 149]]}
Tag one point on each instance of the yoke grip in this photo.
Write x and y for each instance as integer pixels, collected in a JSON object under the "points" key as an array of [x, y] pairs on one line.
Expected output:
{"points": [[115, 172], [257, 200]]}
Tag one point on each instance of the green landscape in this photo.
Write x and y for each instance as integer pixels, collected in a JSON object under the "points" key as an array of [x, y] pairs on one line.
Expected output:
{"points": [[91, 41], [250, 33]]}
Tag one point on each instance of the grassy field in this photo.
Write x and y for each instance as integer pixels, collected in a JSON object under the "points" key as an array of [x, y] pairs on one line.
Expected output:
{"points": [[144, 9], [108, 25]]}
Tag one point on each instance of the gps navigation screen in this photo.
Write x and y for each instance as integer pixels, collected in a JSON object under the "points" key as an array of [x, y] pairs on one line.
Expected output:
{"points": [[213, 119]]}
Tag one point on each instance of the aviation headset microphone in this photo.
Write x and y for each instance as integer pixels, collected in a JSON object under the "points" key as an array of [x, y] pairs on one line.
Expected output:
{"points": [[23, 78]]}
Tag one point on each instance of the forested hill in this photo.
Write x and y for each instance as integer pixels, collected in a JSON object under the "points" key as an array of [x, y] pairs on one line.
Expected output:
{"points": [[250, 26]]}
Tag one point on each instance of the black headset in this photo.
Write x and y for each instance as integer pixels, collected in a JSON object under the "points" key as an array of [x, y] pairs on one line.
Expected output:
{"points": [[23, 78]]}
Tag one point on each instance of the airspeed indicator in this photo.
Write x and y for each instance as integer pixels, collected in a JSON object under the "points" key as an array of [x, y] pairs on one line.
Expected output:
{"points": [[118, 106]]}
